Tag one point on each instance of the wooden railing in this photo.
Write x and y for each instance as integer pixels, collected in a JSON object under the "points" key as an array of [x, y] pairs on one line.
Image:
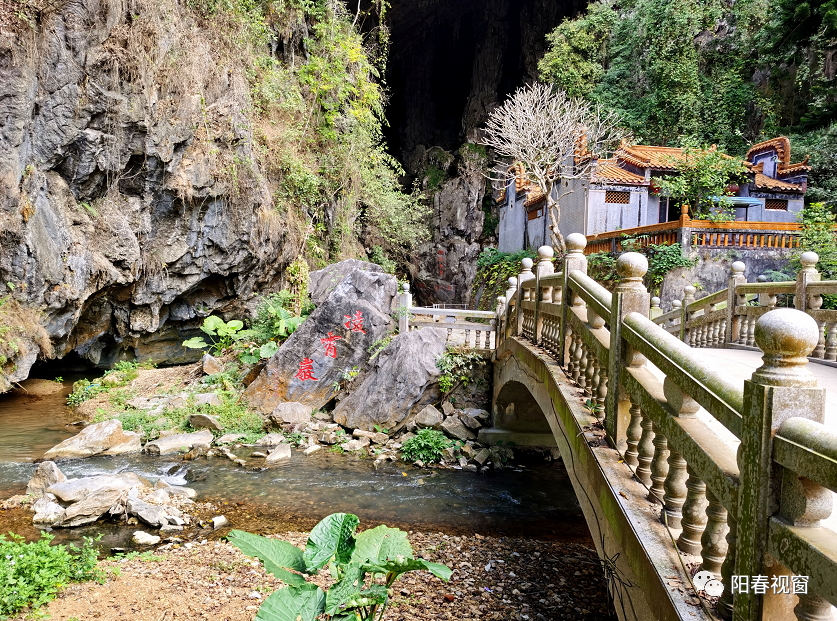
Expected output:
{"points": [[699, 233], [472, 329], [726, 506]]}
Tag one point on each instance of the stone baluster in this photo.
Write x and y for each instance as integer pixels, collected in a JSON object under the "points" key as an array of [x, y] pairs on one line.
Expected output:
{"points": [[694, 515], [783, 387], [655, 310], [590, 379], [676, 305], [751, 331], [689, 334], [573, 344], [405, 302], [734, 299], [582, 364], [645, 450], [806, 275], [634, 433], [601, 385], [511, 305], [525, 275], [831, 341], [659, 466], [743, 321], [814, 304], [725, 603], [682, 406], [713, 541]]}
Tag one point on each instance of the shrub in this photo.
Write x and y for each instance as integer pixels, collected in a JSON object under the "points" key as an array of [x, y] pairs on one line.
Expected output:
{"points": [[223, 334], [456, 366], [427, 445], [352, 560], [32, 573]]}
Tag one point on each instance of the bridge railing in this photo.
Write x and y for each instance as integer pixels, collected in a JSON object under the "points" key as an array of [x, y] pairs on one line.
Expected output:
{"points": [[728, 317], [728, 503], [473, 329]]}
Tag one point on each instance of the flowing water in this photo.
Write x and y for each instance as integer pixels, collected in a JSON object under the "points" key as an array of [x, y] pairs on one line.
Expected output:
{"points": [[531, 498]]}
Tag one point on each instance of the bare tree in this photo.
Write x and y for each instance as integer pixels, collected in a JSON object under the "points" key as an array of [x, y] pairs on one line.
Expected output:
{"points": [[558, 139]]}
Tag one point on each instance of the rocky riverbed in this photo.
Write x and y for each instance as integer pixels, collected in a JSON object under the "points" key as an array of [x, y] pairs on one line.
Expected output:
{"points": [[494, 578]]}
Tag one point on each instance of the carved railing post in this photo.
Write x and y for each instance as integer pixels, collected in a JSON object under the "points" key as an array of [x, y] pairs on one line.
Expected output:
{"points": [[675, 488], [405, 303], [523, 293], [694, 514], [575, 260], [733, 300], [629, 296], [499, 321], [688, 298], [806, 275], [656, 310], [713, 541], [511, 300], [542, 294], [780, 389]]}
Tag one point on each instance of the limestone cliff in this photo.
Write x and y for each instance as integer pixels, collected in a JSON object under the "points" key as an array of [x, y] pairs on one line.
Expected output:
{"points": [[130, 203]]}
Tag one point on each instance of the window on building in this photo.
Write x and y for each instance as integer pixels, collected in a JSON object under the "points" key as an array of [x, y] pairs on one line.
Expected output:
{"points": [[535, 214], [617, 198], [776, 203]]}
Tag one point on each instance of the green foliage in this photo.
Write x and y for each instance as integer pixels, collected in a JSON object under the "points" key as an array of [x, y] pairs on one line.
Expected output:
{"points": [[428, 445], [818, 236], [703, 173], [346, 376], [31, 574], [379, 256], [364, 566], [821, 146], [601, 266], [380, 345], [223, 333], [456, 366], [121, 373], [494, 268]]}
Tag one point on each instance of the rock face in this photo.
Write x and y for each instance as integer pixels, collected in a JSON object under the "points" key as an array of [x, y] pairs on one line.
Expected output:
{"points": [[91, 508], [397, 384], [46, 475], [172, 444], [293, 412], [106, 438], [120, 221], [429, 417], [323, 282], [353, 317], [74, 490]]}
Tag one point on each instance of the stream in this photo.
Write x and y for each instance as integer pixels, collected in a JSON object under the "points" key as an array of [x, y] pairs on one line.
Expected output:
{"points": [[530, 498]]}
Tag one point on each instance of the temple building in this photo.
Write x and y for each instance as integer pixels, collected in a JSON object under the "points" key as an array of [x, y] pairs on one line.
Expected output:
{"points": [[622, 195]]}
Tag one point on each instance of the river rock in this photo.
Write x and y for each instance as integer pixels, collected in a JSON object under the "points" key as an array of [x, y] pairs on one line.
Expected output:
{"points": [[453, 427], [469, 421], [46, 475], [374, 436], [141, 538], [280, 453], [291, 413], [177, 490], [172, 444], [322, 282], [91, 508], [429, 417], [207, 398], [73, 490], [271, 439], [205, 421], [211, 365], [152, 515], [447, 408], [327, 437], [356, 313], [158, 497], [219, 521], [47, 511], [356, 444], [106, 438], [228, 438], [482, 456], [481, 415], [312, 449], [403, 379]]}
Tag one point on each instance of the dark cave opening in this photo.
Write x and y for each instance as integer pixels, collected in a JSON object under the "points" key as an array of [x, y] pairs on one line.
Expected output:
{"points": [[451, 62]]}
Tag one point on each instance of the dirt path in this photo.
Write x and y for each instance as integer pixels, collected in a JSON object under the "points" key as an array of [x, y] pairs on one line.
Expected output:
{"points": [[494, 578]]}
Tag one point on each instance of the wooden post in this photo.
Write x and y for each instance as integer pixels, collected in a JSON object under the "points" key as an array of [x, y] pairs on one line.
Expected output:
{"points": [[405, 303], [629, 296], [781, 388], [733, 300], [575, 260]]}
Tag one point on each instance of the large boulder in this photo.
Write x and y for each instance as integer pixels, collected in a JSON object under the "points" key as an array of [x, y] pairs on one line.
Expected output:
{"points": [[172, 444], [354, 316], [106, 438], [46, 475], [322, 282], [205, 421], [73, 490], [91, 508], [403, 378], [291, 413], [429, 417]]}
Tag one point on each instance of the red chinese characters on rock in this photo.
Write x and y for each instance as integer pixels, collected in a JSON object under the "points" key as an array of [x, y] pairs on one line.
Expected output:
{"points": [[306, 370], [329, 342], [355, 322]]}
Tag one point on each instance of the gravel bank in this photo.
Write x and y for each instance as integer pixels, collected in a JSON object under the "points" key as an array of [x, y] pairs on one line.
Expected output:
{"points": [[494, 578]]}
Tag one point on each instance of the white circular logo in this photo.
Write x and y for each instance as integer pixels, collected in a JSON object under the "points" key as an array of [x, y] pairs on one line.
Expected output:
{"points": [[701, 578], [714, 588]]}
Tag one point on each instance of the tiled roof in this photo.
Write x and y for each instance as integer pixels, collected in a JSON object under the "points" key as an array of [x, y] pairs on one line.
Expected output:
{"points": [[648, 156], [782, 147], [609, 170], [535, 195], [763, 182]]}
